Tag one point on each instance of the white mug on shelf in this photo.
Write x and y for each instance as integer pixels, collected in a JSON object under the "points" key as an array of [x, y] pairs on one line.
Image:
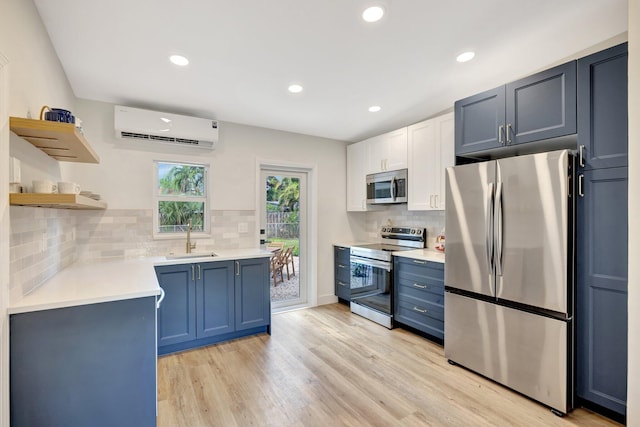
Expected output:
{"points": [[15, 187], [68, 188], [44, 187]]}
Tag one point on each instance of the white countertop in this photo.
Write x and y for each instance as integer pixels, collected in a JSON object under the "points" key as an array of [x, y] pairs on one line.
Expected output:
{"points": [[426, 254], [99, 281]]}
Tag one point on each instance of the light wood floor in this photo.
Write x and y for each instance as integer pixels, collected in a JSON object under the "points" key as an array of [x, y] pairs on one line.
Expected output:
{"points": [[327, 367]]}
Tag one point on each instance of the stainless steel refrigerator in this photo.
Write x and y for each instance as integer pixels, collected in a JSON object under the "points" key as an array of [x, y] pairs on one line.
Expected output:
{"points": [[509, 273]]}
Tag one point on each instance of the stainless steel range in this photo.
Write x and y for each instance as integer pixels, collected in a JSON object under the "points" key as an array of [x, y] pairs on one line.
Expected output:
{"points": [[372, 272]]}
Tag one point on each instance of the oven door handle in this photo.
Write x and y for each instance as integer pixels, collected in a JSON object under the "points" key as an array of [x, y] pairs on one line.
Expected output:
{"points": [[371, 263]]}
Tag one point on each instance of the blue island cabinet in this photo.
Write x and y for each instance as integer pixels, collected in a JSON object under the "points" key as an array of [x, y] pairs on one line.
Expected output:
{"points": [[211, 302], [88, 365]]}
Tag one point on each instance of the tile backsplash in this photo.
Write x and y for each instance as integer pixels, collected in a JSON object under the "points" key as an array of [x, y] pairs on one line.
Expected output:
{"points": [[44, 241], [398, 215]]}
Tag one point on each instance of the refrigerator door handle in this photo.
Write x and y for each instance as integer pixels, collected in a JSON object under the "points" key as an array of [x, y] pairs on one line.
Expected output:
{"points": [[489, 228], [498, 229]]}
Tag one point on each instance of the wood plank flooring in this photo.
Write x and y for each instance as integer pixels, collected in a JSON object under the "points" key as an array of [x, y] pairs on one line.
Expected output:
{"points": [[327, 367]]}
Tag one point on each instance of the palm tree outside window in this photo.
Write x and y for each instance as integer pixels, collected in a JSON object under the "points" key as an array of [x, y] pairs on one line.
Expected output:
{"points": [[181, 195]]}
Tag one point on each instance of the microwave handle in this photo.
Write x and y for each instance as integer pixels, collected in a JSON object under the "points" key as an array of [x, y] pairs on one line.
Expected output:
{"points": [[393, 188]]}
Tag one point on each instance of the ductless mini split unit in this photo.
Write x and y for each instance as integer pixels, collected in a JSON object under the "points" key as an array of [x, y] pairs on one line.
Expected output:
{"points": [[167, 128]]}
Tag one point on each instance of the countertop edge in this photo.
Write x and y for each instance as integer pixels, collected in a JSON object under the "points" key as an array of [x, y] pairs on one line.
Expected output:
{"points": [[87, 301], [430, 255]]}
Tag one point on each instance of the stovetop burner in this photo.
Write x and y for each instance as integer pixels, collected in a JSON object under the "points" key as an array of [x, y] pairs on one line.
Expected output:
{"points": [[396, 239]]}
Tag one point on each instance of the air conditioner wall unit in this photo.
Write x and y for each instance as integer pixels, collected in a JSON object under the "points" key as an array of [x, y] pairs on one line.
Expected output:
{"points": [[167, 128]]}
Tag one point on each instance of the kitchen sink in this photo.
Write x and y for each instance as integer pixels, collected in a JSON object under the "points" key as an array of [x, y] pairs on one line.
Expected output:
{"points": [[191, 255]]}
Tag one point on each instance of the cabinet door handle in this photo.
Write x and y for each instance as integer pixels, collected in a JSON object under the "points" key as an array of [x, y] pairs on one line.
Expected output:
{"points": [[237, 268], [435, 198], [580, 178], [508, 133], [342, 266], [430, 200], [419, 310], [162, 294], [582, 156], [501, 134], [420, 286], [417, 261], [342, 283], [199, 271], [193, 272]]}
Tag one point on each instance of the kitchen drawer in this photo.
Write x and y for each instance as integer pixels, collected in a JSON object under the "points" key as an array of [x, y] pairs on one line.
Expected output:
{"points": [[430, 322], [342, 254], [420, 306], [414, 269], [343, 289], [343, 272], [431, 291]]}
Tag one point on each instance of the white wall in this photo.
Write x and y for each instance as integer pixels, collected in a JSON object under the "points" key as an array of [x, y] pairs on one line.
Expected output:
{"points": [[633, 375], [124, 176], [4, 237], [36, 79]]}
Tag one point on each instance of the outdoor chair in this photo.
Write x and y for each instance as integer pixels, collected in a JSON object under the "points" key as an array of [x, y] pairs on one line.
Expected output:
{"points": [[277, 264], [288, 258], [274, 246]]}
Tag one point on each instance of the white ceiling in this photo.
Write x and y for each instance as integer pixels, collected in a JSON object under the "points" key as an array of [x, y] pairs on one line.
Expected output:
{"points": [[244, 54]]}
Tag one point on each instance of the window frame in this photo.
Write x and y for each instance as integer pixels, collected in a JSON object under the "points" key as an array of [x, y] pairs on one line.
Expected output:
{"points": [[157, 198]]}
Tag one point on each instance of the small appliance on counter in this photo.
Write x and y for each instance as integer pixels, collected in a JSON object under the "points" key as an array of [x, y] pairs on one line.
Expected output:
{"points": [[372, 272]]}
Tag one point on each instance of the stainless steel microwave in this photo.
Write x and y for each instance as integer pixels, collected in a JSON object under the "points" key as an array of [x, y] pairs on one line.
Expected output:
{"points": [[387, 187]]}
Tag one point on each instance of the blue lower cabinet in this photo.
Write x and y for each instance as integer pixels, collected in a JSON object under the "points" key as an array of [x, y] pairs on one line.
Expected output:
{"points": [[253, 298], [211, 302], [176, 316], [602, 286], [90, 365], [214, 295], [419, 296]]}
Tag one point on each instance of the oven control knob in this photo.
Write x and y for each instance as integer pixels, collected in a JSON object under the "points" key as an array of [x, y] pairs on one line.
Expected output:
{"points": [[413, 231], [419, 231]]}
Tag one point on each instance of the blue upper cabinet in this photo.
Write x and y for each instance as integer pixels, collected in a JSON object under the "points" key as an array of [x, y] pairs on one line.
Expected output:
{"points": [[478, 121], [542, 106], [602, 109], [538, 107], [177, 313]]}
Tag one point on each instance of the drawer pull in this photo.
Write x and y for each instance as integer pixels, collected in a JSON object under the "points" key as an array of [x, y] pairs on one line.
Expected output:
{"points": [[342, 266], [420, 310], [419, 286], [416, 261], [342, 283]]}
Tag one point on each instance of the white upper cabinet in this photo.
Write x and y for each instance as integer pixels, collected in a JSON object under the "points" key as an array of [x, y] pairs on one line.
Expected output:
{"points": [[430, 150], [387, 152], [357, 157]]}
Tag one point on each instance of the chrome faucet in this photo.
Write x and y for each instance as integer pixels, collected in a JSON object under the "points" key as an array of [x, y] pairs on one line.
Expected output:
{"points": [[190, 245]]}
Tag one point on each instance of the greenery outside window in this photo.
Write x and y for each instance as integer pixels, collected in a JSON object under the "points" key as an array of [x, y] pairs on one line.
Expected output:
{"points": [[181, 195]]}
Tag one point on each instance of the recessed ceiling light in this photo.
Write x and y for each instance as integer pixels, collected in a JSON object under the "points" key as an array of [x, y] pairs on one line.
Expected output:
{"points": [[374, 108], [465, 56], [179, 60], [295, 88], [373, 13]]}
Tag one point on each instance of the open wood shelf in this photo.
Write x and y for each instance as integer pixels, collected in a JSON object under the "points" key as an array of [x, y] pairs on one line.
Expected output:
{"points": [[62, 141], [56, 201]]}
